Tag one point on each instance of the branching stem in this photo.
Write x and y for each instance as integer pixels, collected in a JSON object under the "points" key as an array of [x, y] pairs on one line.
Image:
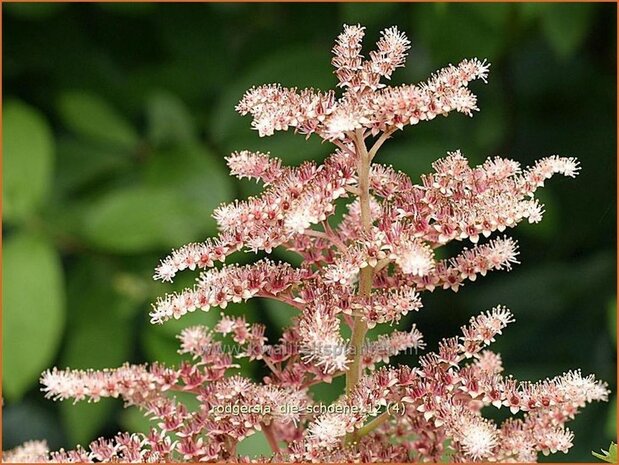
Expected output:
{"points": [[326, 236], [381, 140]]}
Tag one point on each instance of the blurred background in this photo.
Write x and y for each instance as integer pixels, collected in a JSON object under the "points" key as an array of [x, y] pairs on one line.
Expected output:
{"points": [[117, 118]]}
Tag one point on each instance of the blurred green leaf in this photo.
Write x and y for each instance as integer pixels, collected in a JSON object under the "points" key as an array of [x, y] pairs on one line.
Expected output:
{"points": [[530, 11], [33, 313], [288, 256], [547, 228], [448, 452], [413, 156], [28, 151], [134, 290], [612, 319], [172, 328], [34, 11], [160, 342], [611, 420], [292, 148], [136, 8], [98, 337], [81, 162], [293, 67], [549, 286], [367, 14], [133, 419], [131, 220], [89, 115], [566, 26], [481, 31], [30, 420], [169, 121], [328, 393], [490, 124], [254, 446], [199, 180], [279, 313], [84, 420], [160, 347], [174, 207], [85, 343]]}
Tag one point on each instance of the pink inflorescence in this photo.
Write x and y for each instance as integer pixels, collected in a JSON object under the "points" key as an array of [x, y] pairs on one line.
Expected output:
{"points": [[370, 268]]}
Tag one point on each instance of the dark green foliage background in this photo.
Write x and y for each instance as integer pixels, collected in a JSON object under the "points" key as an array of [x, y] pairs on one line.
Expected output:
{"points": [[116, 121]]}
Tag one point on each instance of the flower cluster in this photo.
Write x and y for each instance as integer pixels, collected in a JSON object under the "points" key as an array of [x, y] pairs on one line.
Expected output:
{"points": [[441, 400], [217, 288], [369, 268], [366, 103]]}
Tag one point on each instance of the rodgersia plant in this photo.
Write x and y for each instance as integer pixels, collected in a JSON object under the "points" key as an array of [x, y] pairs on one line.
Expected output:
{"points": [[371, 268]]}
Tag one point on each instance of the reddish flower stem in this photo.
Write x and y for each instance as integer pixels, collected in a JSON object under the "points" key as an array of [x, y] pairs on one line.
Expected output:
{"points": [[268, 433], [365, 279]]}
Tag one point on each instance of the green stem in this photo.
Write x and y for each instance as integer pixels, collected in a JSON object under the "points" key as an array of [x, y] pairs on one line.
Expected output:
{"points": [[371, 426]]}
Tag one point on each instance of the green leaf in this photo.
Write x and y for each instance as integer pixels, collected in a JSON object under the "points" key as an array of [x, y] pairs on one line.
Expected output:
{"points": [[33, 315], [160, 342], [133, 419], [480, 30], [551, 222], [30, 419], [98, 337], [137, 219], [172, 207], [448, 452], [292, 148], [609, 456], [102, 341], [83, 421], [159, 347], [28, 159], [129, 9], [611, 419], [279, 313], [566, 26], [530, 11], [169, 121], [199, 180], [298, 66], [34, 11], [289, 256], [328, 393], [81, 162], [172, 328], [254, 446], [612, 319], [89, 115], [368, 14]]}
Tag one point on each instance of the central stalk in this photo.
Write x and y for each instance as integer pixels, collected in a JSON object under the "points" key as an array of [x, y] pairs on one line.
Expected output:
{"points": [[366, 275]]}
